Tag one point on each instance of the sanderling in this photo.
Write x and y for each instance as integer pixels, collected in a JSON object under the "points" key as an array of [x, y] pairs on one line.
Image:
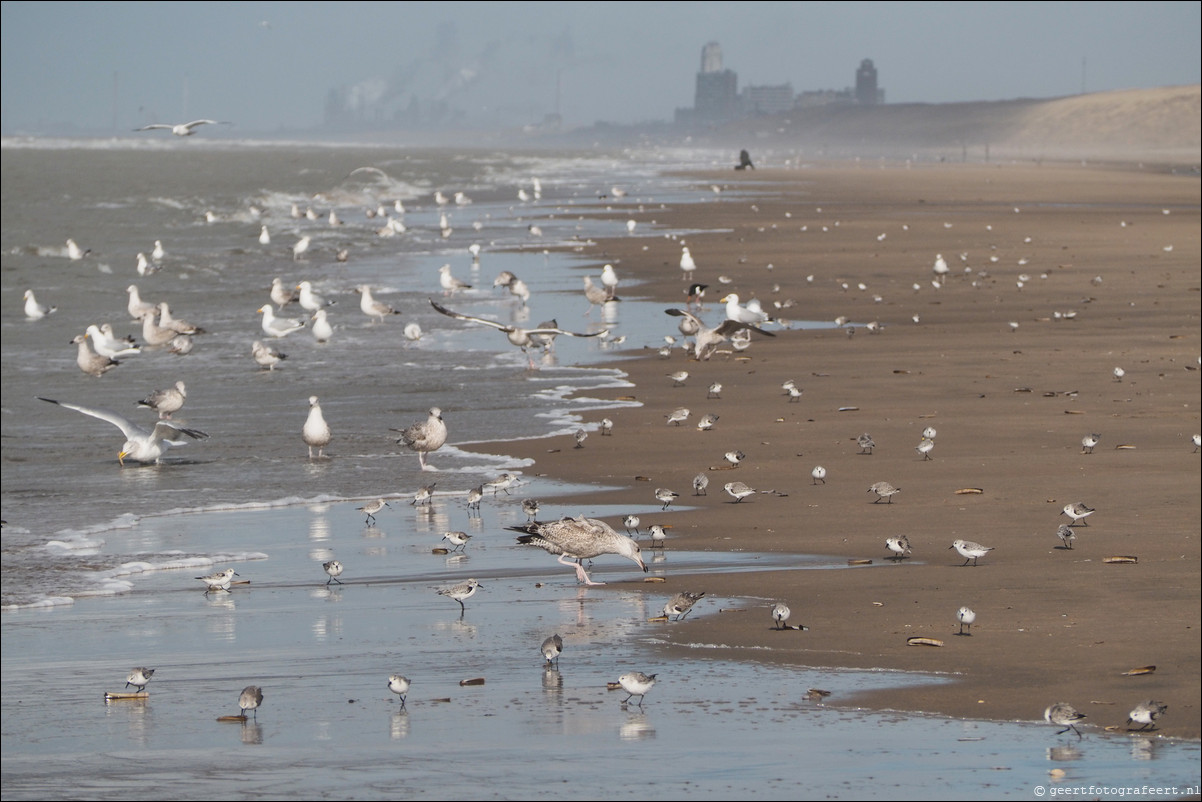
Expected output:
{"points": [[502, 482], [580, 436], [1062, 714], [680, 604], [714, 391], [700, 483], [140, 676], [424, 495], [678, 416], [399, 685], [334, 569], [707, 421], [1088, 442], [426, 436], [530, 506], [218, 581], [865, 443], [1145, 713], [1197, 441], [969, 550], [371, 508], [899, 546], [1119, 373], [1066, 534], [636, 683], [734, 457], [607, 427], [141, 444], [1078, 512], [658, 536], [679, 377], [966, 617], [780, 614], [818, 474], [579, 539], [551, 648], [272, 326], [925, 448], [474, 496], [457, 539], [739, 490], [794, 393], [883, 490], [265, 356], [166, 401], [631, 522], [929, 433], [666, 496], [250, 699], [464, 590], [316, 432]]}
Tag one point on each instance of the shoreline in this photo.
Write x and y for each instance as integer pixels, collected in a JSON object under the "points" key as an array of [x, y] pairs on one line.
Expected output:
{"points": [[1011, 406]]}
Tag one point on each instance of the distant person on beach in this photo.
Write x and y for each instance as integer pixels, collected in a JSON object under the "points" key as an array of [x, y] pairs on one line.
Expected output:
{"points": [[744, 161]]}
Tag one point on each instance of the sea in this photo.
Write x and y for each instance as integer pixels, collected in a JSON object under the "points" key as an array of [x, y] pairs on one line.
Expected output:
{"points": [[99, 558]]}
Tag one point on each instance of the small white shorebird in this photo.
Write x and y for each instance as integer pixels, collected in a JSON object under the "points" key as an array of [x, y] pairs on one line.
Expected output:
{"points": [[899, 547], [424, 495], [371, 508], [780, 614], [1078, 512], [138, 678], [970, 551], [460, 592], [658, 536], [399, 685], [530, 506], [734, 457], [316, 432], [883, 490], [35, 310], [865, 443], [739, 490], [707, 422], [1088, 442], [551, 648], [700, 482], [678, 416], [218, 581], [425, 436], [1145, 713], [666, 496], [679, 377], [680, 604], [522, 338], [966, 617], [925, 448], [182, 129], [278, 326], [1062, 714], [250, 699], [1066, 534], [458, 540], [632, 522], [818, 474], [334, 569], [141, 444], [166, 401], [636, 683]]}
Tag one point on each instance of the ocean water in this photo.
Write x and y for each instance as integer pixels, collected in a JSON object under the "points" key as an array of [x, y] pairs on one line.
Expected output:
{"points": [[99, 559]]}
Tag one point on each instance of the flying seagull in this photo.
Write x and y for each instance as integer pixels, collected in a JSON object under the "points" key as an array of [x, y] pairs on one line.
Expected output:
{"points": [[183, 129]]}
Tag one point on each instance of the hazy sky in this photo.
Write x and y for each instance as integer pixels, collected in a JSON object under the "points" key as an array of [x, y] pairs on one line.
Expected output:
{"points": [[271, 66]]}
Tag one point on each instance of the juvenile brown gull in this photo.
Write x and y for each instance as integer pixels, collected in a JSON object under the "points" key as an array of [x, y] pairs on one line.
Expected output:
{"points": [[579, 539]]}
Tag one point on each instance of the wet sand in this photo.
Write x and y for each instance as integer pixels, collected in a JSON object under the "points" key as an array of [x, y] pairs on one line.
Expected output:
{"points": [[1010, 406]]}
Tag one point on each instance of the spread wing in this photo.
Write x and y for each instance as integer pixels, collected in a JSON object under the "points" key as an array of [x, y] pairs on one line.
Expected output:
{"points": [[128, 427], [459, 316]]}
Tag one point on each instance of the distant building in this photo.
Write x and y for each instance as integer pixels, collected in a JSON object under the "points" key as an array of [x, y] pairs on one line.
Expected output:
{"points": [[759, 100], [717, 96], [867, 93]]}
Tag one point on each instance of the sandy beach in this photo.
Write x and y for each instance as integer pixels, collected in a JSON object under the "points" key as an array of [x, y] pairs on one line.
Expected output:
{"points": [[1068, 271]]}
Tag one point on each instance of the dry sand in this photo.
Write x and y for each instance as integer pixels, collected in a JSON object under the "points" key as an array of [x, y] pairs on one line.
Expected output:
{"points": [[1010, 406]]}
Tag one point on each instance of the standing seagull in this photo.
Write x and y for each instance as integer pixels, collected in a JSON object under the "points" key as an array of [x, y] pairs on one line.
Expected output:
{"points": [[371, 307], [89, 361], [522, 338], [35, 310], [272, 326], [450, 284], [579, 539], [250, 699], [166, 401], [141, 444], [687, 265], [424, 437], [316, 432], [182, 129]]}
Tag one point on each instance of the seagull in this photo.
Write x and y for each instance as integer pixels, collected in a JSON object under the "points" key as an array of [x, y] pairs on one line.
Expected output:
{"points": [[966, 617], [899, 546], [883, 490], [89, 361], [426, 436], [266, 356], [178, 326], [264, 236], [182, 129], [1078, 512], [334, 569], [707, 340], [551, 648], [300, 247], [970, 551], [609, 280], [680, 604], [35, 310], [743, 314], [370, 306], [687, 265], [139, 678], [1063, 714], [522, 338], [250, 699], [515, 285], [138, 308], [310, 300], [597, 296], [460, 592], [281, 296], [399, 685], [145, 267], [108, 345], [74, 252], [450, 284], [579, 539], [166, 401], [315, 432], [141, 444], [322, 330], [275, 326]]}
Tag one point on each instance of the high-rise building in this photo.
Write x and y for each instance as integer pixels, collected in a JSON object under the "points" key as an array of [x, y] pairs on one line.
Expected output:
{"points": [[866, 91], [717, 96]]}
